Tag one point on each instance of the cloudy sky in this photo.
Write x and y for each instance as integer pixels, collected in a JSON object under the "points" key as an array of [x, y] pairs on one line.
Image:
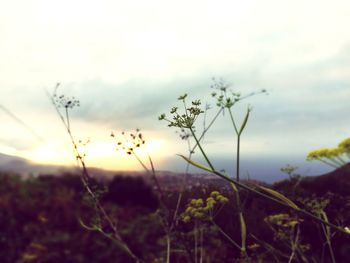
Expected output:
{"points": [[127, 62]]}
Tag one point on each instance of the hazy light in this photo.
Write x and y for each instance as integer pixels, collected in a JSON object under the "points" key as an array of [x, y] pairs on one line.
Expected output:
{"points": [[49, 153], [102, 50], [5, 149]]}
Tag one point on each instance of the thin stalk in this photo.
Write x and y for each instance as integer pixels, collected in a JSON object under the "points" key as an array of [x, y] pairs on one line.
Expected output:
{"points": [[225, 235], [165, 223], [291, 256], [233, 121], [168, 248], [209, 126], [195, 242], [238, 156], [270, 249], [67, 119], [85, 180], [201, 245], [327, 233], [294, 243], [238, 200], [241, 221], [328, 163], [151, 172], [191, 150], [343, 162], [336, 161], [301, 211], [201, 149], [180, 196], [285, 203]]}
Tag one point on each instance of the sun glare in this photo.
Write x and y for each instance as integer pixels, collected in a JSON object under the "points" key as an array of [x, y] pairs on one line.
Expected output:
{"points": [[7, 150], [97, 154], [48, 154]]}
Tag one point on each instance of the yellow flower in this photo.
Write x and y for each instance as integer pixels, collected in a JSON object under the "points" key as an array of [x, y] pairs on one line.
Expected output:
{"points": [[345, 145], [312, 155], [333, 152], [186, 219], [27, 257], [347, 230], [254, 246], [324, 152], [214, 194], [199, 202]]}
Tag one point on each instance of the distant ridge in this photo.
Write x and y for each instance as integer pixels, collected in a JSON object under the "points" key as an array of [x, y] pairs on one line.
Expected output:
{"points": [[24, 167], [18, 165], [336, 181], [12, 163]]}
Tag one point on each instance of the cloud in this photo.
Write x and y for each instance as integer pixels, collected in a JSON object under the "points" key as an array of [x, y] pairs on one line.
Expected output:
{"points": [[128, 65]]}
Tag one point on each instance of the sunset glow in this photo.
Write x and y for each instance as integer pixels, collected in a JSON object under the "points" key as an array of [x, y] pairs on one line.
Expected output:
{"points": [[97, 154], [127, 65]]}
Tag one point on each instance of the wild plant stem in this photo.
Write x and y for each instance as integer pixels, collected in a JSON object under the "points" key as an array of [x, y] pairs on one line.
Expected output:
{"points": [[180, 196], [201, 230], [233, 121], [238, 144], [191, 151], [67, 119], [294, 246], [201, 149], [209, 126], [168, 242], [226, 235], [238, 200], [241, 220], [237, 156], [327, 233], [328, 163], [85, 180], [301, 211], [195, 242]]}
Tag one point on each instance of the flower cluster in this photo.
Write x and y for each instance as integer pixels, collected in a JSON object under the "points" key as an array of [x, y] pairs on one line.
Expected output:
{"points": [[332, 154], [345, 145], [225, 97], [184, 134], [324, 153], [289, 169], [283, 226], [63, 101], [347, 230], [129, 143], [186, 119], [314, 204], [82, 148], [204, 210], [282, 220]]}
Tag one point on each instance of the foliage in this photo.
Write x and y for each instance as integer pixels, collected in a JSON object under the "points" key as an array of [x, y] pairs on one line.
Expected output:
{"points": [[39, 223], [60, 219]]}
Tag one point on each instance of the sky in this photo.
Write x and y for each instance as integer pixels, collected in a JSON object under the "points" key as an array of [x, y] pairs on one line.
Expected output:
{"points": [[128, 61]]}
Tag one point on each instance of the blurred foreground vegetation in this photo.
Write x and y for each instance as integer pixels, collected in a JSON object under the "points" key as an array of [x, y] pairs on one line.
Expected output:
{"points": [[40, 221]]}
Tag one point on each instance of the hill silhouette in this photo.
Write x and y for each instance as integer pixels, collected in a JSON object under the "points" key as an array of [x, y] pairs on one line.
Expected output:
{"points": [[336, 181]]}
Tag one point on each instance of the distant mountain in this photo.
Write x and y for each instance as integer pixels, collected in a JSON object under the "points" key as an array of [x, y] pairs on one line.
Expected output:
{"points": [[21, 166], [14, 164], [336, 181]]}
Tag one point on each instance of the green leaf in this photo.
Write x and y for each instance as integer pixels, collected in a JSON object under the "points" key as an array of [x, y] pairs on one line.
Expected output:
{"points": [[200, 166], [243, 232], [244, 122], [280, 197]]}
